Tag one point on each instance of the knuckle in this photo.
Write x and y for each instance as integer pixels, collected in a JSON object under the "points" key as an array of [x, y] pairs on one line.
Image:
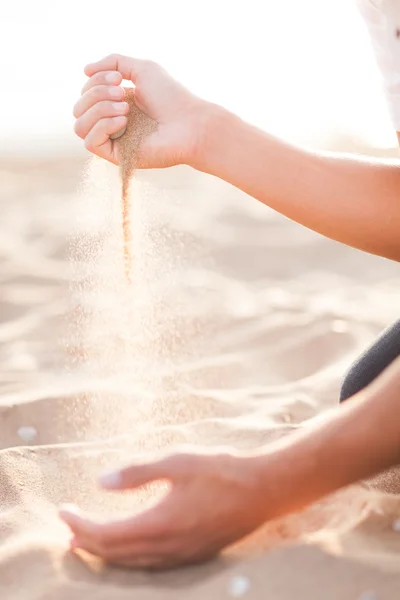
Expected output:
{"points": [[78, 128], [97, 110], [93, 81], [186, 458], [96, 92], [108, 124], [145, 66], [86, 87], [114, 56], [174, 460], [182, 462], [89, 145], [101, 109], [151, 64]]}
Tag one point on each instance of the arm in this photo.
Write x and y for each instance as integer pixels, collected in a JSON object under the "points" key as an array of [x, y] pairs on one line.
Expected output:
{"points": [[355, 201], [358, 440], [352, 200], [216, 498]]}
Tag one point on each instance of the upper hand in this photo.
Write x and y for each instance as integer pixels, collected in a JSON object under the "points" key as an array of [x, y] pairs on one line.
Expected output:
{"points": [[214, 500], [101, 112]]}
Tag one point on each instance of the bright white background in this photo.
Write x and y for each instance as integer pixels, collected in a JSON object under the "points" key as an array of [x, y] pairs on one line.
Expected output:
{"points": [[301, 68]]}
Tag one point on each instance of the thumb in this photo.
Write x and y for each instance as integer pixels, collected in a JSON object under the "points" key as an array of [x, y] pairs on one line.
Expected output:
{"points": [[127, 66], [172, 467]]}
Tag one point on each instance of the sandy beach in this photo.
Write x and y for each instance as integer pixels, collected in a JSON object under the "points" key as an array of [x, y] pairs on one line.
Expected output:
{"points": [[237, 328]]}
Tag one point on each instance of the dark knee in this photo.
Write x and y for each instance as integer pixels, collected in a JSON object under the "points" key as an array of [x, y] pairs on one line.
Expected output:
{"points": [[352, 383], [372, 363]]}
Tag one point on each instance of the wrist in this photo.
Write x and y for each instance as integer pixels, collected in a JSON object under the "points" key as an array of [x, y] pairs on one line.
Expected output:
{"points": [[344, 448], [275, 482], [303, 467], [285, 478], [211, 125]]}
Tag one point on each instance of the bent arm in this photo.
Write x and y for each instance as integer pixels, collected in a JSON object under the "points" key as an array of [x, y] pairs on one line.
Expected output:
{"points": [[356, 441], [352, 200]]}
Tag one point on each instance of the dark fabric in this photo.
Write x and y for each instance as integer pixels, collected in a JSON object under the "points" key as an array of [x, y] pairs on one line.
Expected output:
{"points": [[372, 362]]}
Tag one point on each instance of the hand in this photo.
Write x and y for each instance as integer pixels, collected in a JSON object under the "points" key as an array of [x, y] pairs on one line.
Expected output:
{"points": [[101, 112], [214, 500]]}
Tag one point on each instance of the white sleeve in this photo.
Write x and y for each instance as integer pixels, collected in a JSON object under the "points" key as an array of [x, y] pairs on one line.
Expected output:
{"points": [[383, 20]]}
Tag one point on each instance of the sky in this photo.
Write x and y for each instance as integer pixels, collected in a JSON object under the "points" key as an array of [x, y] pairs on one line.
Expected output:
{"points": [[298, 68]]}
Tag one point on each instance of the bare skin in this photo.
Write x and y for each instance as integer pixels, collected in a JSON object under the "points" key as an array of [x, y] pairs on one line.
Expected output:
{"points": [[218, 497]]}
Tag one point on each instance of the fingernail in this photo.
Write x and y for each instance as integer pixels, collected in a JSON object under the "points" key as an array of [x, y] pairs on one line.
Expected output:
{"points": [[120, 107], [119, 134], [113, 77], [71, 508], [111, 479], [115, 91]]}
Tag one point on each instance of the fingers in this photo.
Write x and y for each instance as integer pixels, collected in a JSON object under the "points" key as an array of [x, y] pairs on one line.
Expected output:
{"points": [[103, 78], [147, 525], [141, 542], [98, 140], [140, 554], [135, 476], [96, 94], [128, 67], [100, 107], [99, 111], [172, 467]]}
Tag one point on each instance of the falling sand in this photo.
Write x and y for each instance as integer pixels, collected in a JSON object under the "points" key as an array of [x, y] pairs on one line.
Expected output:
{"points": [[139, 126]]}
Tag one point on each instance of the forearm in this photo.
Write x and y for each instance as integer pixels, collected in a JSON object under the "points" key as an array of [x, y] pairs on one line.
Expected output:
{"points": [[351, 200], [357, 440]]}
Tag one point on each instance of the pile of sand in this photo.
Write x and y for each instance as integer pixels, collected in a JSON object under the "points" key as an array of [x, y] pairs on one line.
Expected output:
{"points": [[237, 327]]}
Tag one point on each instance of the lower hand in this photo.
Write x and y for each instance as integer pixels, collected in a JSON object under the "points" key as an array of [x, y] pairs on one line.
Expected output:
{"points": [[101, 112], [214, 500]]}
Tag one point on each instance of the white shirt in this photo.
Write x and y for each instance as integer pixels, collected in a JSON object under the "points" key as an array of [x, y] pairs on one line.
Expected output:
{"points": [[383, 20]]}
